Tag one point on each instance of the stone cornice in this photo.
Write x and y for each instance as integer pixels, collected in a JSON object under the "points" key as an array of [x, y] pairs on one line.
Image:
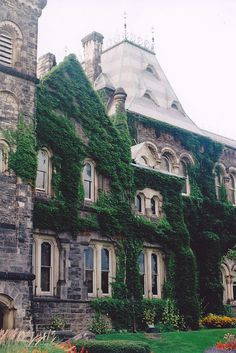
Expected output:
{"points": [[13, 72]]}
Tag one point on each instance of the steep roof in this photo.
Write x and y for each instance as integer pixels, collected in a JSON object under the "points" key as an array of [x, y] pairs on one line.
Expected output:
{"points": [[149, 93], [137, 70]]}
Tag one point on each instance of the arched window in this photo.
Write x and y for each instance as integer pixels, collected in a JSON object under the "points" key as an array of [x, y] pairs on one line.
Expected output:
{"points": [[231, 189], [154, 274], [11, 41], [46, 265], [43, 171], [6, 48], [105, 270], [183, 171], [174, 106], [219, 180], [88, 180], [89, 269], [142, 270], [166, 163], [139, 203], [142, 161]]}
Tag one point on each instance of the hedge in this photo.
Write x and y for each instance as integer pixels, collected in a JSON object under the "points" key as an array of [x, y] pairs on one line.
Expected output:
{"points": [[113, 347]]}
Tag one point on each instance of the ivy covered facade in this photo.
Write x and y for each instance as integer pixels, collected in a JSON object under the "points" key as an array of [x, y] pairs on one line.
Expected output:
{"points": [[110, 190]]}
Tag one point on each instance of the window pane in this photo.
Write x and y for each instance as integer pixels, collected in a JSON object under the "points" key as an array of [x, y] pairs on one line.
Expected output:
{"points": [[153, 206], [141, 270], [165, 164], [182, 169], [105, 260], [234, 290], [42, 170], [41, 180], [88, 171], [45, 254], [105, 271], [89, 259], [87, 189], [154, 274], [89, 280], [105, 287], [45, 279], [138, 203]]}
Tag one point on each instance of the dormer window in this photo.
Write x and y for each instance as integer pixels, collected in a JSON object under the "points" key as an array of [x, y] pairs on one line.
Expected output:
{"points": [[147, 95], [6, 49], [174, 106], [150, 69]]}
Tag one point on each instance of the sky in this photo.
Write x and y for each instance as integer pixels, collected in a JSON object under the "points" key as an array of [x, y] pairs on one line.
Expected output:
{"points": [[195, 44]]}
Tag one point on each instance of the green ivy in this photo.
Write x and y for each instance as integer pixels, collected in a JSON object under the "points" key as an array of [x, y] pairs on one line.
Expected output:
{"points": [[23, 157]]}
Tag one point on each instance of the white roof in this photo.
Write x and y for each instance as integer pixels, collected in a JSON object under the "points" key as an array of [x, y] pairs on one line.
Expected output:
{"points": [[149, 93]]}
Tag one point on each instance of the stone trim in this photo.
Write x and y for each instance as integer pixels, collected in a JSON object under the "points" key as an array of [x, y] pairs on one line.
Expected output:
{"points": [[16, 276], [13, 72]]}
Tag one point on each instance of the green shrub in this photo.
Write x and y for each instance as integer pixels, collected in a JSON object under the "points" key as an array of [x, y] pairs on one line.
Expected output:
{"points": [[122, 311], [113, 347], [99, 325]]}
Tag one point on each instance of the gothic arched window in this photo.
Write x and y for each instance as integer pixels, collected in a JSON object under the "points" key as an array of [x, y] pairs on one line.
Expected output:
{"points": [[231, 189], [166, 163], [219, 179], [183, 171], [89, 181], [43, 171]]}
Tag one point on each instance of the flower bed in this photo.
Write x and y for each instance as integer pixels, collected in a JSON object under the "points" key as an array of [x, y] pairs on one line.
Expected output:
{"points": [[217, 321]]}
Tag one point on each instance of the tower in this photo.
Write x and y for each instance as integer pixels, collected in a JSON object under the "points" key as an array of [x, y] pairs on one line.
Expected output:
{"points": [[18, 57]]}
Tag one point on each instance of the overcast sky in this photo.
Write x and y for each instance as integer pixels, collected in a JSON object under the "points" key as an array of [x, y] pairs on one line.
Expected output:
{"points": [[195, 43]]}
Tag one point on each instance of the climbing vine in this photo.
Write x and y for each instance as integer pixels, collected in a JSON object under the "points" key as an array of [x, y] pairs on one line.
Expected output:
{"points": [[195, 231]]}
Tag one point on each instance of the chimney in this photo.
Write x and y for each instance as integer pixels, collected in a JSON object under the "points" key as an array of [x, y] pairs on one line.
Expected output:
{"points": [[92, 44], [45, 64], [119, 99]]}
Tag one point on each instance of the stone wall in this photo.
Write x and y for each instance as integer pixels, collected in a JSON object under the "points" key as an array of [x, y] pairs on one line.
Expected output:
{"points": [[77, 315]]}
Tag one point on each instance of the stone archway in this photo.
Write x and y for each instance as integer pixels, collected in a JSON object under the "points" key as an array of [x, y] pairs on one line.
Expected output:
{"points": [[6, 312]]}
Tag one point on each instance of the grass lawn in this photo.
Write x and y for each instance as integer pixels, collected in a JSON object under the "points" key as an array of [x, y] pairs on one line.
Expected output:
{"points": [[175, 342]]}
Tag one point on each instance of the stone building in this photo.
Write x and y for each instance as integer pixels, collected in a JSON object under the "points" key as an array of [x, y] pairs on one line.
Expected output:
{"points": [[53, 262]]}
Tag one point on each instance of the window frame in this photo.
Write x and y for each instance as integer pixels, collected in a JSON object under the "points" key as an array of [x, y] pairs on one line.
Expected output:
{"points": [[93, 181], [97, 253], [160, 275], [37, 264], [48, 189]]}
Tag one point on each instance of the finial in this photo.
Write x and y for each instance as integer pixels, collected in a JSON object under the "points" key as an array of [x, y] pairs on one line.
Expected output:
{"points": [[66, 50], [153, 39], [125, 24]]}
